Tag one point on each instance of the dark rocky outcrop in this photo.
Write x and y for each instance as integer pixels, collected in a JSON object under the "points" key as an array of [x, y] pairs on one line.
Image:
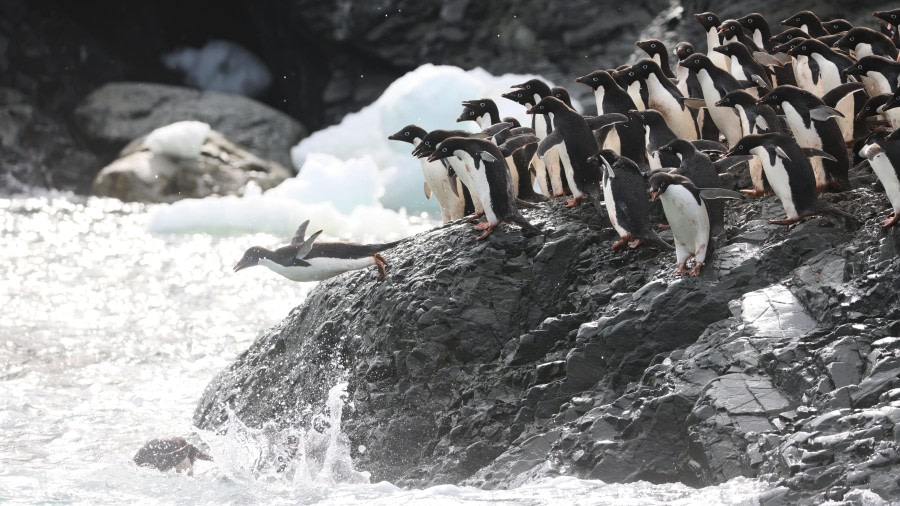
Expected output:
{"points": [[490, 363]]}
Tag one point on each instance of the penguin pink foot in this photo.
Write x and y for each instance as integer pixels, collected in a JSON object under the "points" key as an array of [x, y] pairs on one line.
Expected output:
{"points": [[475, 216], [487, 232], [381, 264], [619, 244], [483, 225], [570, 203], [753, 193], [890, 222], [696, 270], [635, 243], [680, 270], [786, 221]]}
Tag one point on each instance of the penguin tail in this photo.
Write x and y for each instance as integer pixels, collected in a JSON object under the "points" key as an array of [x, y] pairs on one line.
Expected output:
{"points": [[526, 204], [656, 239], [520, 220], [594, 194], [824, 208]]}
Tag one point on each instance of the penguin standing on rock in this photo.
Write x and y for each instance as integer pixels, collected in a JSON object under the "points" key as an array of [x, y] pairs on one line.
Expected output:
{"points": [[302, 260], [687, 215], [697, 167], [664, 96], [625, 196], [491, 179], [884, 157], [611, 98], [716, 83], [456, 169]]}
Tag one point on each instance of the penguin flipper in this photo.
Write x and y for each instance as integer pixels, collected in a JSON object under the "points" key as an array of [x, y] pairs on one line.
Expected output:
{"points": [[516, 143], [769, 60], [300, 234], [427, 190], [694, 103], [521, 131], [496, 128], [823, 112], [605, 120], [551, 140], [836, 95], [706, 146], [813, 152], [761, 82], [306, 247], [719, 193]]}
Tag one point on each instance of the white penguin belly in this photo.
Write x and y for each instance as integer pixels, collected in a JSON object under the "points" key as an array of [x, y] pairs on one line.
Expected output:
{"points": [[459, 167], [570, 172], [724, 117], [634, 90], [778, 179], [319, 268], [513, 175], [540, 171], [610, 204], [599, 93], [679, 119], [613, 141], [804, 77], [436, 176], [553, 165], [480, 185], [689, 223], [718, 59], [829, 74], [881, 165], [845, 107]]}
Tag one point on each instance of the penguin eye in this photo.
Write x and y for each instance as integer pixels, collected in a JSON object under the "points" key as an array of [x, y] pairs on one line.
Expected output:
{"points": [[796, 19], [750, 20], [652, 45], [471, 113], [852, 38], [481, 104], [527, 86], [803, 48], [631, 73], [859, 67], [542, 107], [595, 79], [406, 134], [644, 66], [740, 146], [709, 18], [519, 95], [444, 150]]}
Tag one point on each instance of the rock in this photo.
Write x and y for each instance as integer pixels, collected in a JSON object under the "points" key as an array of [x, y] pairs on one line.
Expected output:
{"points": [[144, 173], [117, 113]]}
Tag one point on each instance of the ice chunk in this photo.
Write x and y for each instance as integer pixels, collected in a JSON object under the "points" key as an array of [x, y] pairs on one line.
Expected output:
{"points": [[182, 139]]}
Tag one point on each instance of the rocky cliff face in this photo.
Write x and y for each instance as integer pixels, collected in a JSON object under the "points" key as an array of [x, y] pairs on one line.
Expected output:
{"points": [[490, 363]]}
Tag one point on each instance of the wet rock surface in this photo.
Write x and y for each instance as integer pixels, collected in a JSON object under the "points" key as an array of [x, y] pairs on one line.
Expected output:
{"points": [[493, 362]]}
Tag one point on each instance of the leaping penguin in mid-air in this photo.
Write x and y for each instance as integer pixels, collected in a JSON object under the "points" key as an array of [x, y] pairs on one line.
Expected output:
{"points": [[302, 260]]}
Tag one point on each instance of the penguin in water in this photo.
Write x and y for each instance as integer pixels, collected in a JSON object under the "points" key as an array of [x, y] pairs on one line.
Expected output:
{"points": [[437, 180], [697, 167], [813, 125], [883, 154], [788, 171], [575, 135], [625, 197], [490, 176], [302, 260], [686, 212], [170, 453]]}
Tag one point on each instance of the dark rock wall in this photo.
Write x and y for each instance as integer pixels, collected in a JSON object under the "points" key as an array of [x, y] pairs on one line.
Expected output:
{"points": [[488, 363]]}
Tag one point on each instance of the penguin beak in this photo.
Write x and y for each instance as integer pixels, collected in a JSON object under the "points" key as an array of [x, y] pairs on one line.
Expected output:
{"points": [[462, 117], [530, 110], [722, 32], [433, 157], [244, 263], [519, 86], [580, 79], [653, 195], [394, 137]]}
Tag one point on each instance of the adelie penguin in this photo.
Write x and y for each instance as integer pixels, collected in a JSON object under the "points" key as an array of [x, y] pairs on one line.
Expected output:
{"points": [[664, 96], [303, 260], [884, 157], [483, 112], [625, 196], [687, 215], [171, 453], [788, 171], [715, 84], [490, 177], [611, 98], [697, 167]]}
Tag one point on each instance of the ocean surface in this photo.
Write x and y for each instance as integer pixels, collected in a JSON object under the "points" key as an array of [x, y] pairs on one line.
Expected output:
{"points": [[110, 332]]}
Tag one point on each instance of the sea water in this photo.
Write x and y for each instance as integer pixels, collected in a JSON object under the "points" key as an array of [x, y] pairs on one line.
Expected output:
{"points": [[111, 329]]}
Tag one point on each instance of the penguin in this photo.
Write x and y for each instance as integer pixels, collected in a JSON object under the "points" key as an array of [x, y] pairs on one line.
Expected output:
{"points": [[788, 171], [845, 99], [867, 42], [686, 211], [491, 180], [710, 23], [302, 260], [837, 26], [577, 142], [748, 72], [170, 453], [611, 98], [664, 97], [689, 86], [562, 94], [830, 63], [808, 22], [625, 197], [884, 158], [889, 26], [882, 72], [519, 162], [633, 85], [813, 126], [878, 106], [659, 54], [786, 36], [697, 167], [758, 26], [806, 70], [732, 31], [437, 181], [456, 169], [716, 83], [483, 112], [656, 135], [755, 119]]}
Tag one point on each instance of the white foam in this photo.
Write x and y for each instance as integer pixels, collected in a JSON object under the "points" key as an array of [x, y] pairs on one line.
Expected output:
{"points": [[221, 65], [182, 139]]}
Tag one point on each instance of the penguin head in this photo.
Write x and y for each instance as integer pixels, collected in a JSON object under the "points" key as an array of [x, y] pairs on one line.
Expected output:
{"points": [[789, 45], [474, 109], [598, 79], [726, 49], [787, 35], [748, 142], [409, 133], [683, 50], [661, 180], [645, 67], [708, 20], [788, 93], [548, 105], [858, 35], [874, 106], [730, 29], [430, 141], [839, 25], [512, 121], [865, 65], [803, 47], [562, 94], [603, 159], [892, 17], [625, 75], [519, 96], [753, 21], [446, 148], [648, 117], [802, 18], [677, 146], [696, 62], [251, 257], [651, 46], [534, 86], [737, 97], [195, 453], [892, 103]]}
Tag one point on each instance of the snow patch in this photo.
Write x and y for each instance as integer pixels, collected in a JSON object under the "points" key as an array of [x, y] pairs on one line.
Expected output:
{"points": [[182, 139]]}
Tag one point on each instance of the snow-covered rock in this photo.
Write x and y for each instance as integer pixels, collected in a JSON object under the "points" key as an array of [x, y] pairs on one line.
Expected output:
{"points": [[182, 139]]}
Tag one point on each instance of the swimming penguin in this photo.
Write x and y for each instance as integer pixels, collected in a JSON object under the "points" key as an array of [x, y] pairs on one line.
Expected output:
{"points": [[747, 71], [813, 125], [884, 158], [437, 180], [658, 53], [788, 171], [697, 167], [170, 453], [625, 197], [716, 83], [302, 260], [710, 23], [867, 42], [611, 98], [483, 112], [808, 22], [490, 176], [664, 97], [686, 212], [575, 136]]}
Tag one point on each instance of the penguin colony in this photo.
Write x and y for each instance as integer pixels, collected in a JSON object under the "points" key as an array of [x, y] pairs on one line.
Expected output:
{"points": [[787, 105]]}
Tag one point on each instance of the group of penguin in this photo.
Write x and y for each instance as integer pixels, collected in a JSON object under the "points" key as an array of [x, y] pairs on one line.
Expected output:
{"points": [[787, 105]]}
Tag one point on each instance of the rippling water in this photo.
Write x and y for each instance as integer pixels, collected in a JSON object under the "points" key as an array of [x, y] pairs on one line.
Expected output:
{"points": [[108, 336]]}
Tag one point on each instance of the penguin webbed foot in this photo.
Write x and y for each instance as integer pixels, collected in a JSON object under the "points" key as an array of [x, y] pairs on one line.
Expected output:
{"points": [[786, 221], [570, 203], [482, 226], [475, 216], [890, 222], [696, 270], [754, 192], [381, 264], [490, 230], [680, 270], [620, 243], [635, 243]]}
